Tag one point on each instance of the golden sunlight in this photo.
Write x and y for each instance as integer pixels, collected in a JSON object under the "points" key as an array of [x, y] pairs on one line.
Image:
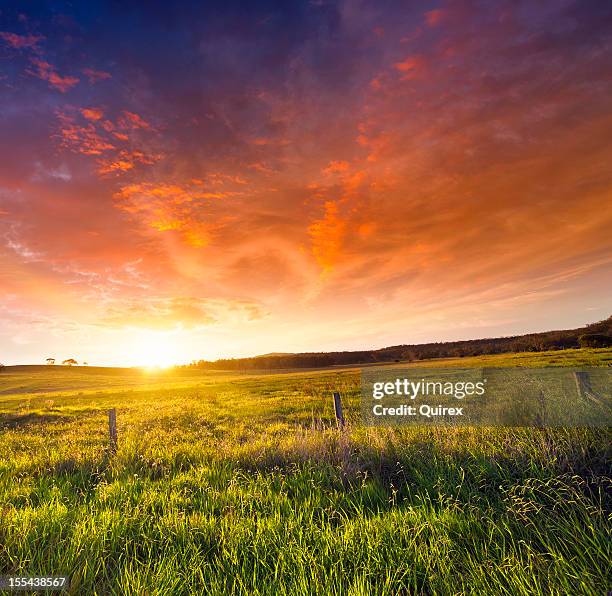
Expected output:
{"points": [[152, 349]]}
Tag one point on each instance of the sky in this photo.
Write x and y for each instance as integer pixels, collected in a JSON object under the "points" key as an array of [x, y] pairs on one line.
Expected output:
{"points": [[219, 179]]}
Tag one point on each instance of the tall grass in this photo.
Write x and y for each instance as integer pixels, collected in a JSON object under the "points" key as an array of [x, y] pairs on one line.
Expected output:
{"points": [[228, 484]]}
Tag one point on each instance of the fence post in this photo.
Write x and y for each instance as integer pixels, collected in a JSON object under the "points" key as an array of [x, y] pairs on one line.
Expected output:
{"points": [[112, 429], [583, 385], [338, 410]]}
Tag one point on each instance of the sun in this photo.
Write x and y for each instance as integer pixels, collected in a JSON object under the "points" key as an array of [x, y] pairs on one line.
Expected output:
{"points": [[153, 349]]}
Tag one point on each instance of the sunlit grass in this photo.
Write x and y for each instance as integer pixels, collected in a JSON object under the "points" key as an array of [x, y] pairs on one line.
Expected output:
{"points": [[226, 483]]}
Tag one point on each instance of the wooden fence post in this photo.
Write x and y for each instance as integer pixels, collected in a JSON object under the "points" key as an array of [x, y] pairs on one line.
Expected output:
{"points": [[338, 410], [112, 429]]}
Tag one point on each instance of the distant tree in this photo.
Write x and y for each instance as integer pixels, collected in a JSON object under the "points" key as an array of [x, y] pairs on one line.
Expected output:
{"points": [[85, 364], [2, 366], [595, 340], [50, 361], [69, 362]]}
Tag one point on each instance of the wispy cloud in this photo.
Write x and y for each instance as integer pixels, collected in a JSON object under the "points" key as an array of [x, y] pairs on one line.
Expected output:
{"points": [[187, 312], [20, 42], [173, 207], [95, 76], [89, 131], [47, 72]]}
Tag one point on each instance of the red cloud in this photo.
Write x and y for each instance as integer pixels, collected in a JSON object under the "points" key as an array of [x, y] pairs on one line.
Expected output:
{"points": [[81, 139], [47, 72], [434, 17], [93, 76], [20, 42], [132, 120], [412, 67], [94, 134]]}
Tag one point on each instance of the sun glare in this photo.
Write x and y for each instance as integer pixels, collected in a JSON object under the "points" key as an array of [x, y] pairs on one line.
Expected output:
{"points": [[153, 350]]}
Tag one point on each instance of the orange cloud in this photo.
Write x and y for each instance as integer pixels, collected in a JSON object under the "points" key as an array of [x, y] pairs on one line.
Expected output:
{"points": [[46, 72], [327, 236], [172, 193], [167, 207], [217, 178], [261, 167], [336, 167], [196, 235], [351, 178], [126, 160], [92, 114], [365, 230]]}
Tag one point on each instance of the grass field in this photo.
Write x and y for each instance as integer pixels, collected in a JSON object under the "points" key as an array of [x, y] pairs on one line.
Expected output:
{"points": [[222, 484]]}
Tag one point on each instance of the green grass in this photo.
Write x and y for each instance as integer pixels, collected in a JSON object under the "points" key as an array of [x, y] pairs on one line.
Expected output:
{"points": [[222, 484]]}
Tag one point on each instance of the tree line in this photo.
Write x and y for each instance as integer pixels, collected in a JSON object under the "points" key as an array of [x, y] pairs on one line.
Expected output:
{"points": [[595, 335]]}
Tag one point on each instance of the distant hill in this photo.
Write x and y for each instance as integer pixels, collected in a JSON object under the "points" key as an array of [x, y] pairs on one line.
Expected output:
{"points": [[593, 335]]}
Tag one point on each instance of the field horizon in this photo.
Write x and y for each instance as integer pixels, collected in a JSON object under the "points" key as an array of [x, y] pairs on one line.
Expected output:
{"points": [[596, 334]]}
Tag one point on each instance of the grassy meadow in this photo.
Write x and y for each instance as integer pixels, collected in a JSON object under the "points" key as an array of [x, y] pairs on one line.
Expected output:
{"points": [[240, 484]]}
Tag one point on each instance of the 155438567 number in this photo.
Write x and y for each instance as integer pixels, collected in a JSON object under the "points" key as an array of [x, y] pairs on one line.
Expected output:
{"points": [[34, 582]]}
